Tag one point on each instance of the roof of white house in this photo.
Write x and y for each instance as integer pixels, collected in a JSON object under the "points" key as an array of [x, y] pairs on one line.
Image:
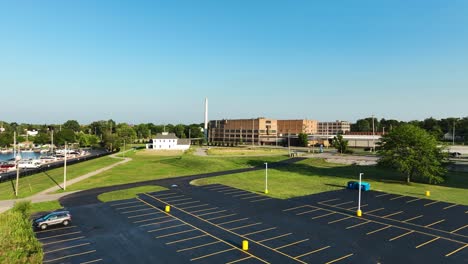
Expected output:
{"points": [[166, 135]]}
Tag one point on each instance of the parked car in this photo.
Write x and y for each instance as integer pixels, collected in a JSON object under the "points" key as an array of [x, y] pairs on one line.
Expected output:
{"points": [[51, 219], [455, 154]]}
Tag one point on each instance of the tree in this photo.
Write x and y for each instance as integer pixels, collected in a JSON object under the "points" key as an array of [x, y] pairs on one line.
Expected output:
{"points": [[413, 152], [73, 125], [362, 125], [66, 135], [179, 130], [340, 144], [303, 140], [126, 133], [41, 138], [6, 139]]}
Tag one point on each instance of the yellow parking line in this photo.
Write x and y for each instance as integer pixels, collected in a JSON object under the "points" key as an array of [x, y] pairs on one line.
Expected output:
{"points": [[271, 238], [91, 261], [343, 203], [432, 203], [413, 218], [186, 239], [217, 212], [60, 249], [329, 200], [233, 221], [400, 236], [353, 226], [297, 207], [69, 256], [378, 230], [320, 216], [67, 234], [199, 246], [458, 229], [212, 254], [450, 206], [233, 192], [139, 210], [218, 217], [259, 200], [176, 233], [157, 223], [131, 206], [238, 260], [151, 219], [177, 200], [425, 243], [164, 228], [245, 194], [456, 250], [260, 231], [310, 211], [117, 204], [194, 206], [152, 213], [203, 210], [61, 241], [435, 223], [375, 210], [392, 214], [292, 244], [244, 226], [414, 200], [187, 203], [338, 259], [339, 220], [312, 252], [381, 195], [55, 229], [398, 197]]}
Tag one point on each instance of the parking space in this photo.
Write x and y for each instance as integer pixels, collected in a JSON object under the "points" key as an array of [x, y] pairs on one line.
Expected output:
{"points": [[67, 245]]}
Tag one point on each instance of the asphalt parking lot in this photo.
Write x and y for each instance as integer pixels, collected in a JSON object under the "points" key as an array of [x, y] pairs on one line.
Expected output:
{"points": [[208, 224]]}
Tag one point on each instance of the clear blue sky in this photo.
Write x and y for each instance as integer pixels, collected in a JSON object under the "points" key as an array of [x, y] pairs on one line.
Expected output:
{"points": [[155, 61]]}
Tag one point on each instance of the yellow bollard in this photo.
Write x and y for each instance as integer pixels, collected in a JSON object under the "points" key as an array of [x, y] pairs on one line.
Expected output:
{"points": [[245, 245], [428, 193], [266, 191], [359, 213], [167, 209]]}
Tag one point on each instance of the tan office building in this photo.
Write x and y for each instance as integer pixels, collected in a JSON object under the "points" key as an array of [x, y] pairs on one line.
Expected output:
{"points": [[295, 127], [333, 128], [258, 131]]}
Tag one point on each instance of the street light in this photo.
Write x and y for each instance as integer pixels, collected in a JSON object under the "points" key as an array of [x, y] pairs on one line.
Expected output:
{"points": [[65, 168], [266, 178], [17, 159], [359, 212]]}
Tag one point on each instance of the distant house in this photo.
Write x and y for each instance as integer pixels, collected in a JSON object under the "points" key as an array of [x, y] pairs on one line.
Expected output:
{"points": [[168, 141], [32, 133]]}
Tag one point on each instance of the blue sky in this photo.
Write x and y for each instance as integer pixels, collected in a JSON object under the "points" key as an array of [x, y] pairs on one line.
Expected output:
{"points": [[156, 61]]}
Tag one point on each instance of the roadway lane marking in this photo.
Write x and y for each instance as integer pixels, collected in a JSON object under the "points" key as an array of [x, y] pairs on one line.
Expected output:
{"points": [[329, 200], [239, 260], [177, 200], [218, 217], [320, 216], [55, 229], [425, 243], [312, 252], [151, 219], [176, 233], [392, 214], [458, 229], [233, 192], [212, 254], [435, 223], [338, 259], [398, 197], [271, 238], [450, 206], [67, 234], [297, 207], [221, 188], [186, 239], [125, 203], [203, 210], [252, 197], [413, 218], [157, 223], [432, 203], [414, 200], [233, 221], [456, 250], [355, 207], [61, 241], [175, 196], [210, 213], [152, 213], [166, 194], [139, 210], [339, 220], [194, 206], [91, 261], [199, 246], [131, 206], [185, 203], [378, 230], [310, 211], [164, 228], [375, 210], [260, 231], [244, 226], [69, 256], [400, 236], [381, 195], [343, 203], [245, 194], [227, 190], [259, 200], [60, 249], [292, 244], [353, 226]]}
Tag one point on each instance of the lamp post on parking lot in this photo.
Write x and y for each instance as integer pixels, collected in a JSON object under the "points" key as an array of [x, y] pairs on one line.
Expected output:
{"points": [[65, 168], [359, 212], [266, 178]]}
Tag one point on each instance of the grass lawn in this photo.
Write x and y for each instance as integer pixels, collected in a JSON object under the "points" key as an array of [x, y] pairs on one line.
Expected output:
{"points": [[45, 206], [241, 151], [316, 175], [35, 183], [149, 165], [128, 193]]}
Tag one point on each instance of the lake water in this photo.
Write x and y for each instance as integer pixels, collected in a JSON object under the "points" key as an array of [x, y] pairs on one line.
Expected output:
{"points": [[24, 155]]}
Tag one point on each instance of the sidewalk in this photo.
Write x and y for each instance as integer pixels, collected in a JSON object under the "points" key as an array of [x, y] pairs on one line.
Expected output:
{"points": [[48, 195]]}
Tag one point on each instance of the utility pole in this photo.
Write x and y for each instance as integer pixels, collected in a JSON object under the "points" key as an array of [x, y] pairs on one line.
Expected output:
{"points": [[253, 126], [14, 144], [17, 159], [373, 134], [65, 168], [289, 144]]}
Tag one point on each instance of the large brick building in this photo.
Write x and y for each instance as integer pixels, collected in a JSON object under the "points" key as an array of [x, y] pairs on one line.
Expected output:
{"points": [[333, 128], [297, 126], [258, 131]]}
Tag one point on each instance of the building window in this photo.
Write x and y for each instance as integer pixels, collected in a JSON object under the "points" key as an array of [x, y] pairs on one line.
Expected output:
{"points": [[268, 121]]}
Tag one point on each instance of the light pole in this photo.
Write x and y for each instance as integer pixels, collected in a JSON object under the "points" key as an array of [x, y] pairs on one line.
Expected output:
{"points": [[17, 159], [359, 212], [65, 168], [266, 178]]}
